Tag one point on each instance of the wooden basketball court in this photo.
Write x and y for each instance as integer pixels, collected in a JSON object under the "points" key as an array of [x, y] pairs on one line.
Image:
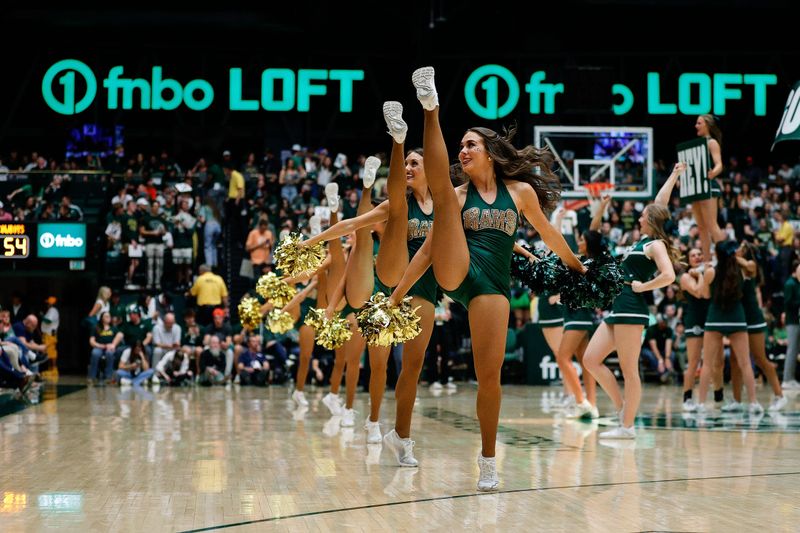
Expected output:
{"points": [[242, 459]]}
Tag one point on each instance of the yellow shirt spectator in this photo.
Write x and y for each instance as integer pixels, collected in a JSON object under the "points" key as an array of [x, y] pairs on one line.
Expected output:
{"points": [[785, 234], [236, 183], [209, 289]]}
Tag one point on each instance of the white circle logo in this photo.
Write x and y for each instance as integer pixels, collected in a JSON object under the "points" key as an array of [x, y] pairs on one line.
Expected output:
{"points": [[47, 240]]}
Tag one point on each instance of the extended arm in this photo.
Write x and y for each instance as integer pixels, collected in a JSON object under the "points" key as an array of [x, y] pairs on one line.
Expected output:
{"points": [[662, 198], [347, 226], [597, 219], [550, 235]]}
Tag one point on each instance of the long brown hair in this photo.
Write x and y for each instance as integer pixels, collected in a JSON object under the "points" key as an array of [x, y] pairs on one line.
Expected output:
{"points": [[522, 165], [713, 127], [751, 254], [657, 217], [728, 289]]}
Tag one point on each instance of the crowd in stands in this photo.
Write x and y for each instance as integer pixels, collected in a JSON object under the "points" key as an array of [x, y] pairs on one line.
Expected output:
{"points": [[172, 229]]}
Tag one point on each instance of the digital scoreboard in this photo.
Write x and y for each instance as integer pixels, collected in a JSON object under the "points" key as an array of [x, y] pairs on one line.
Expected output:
{"points": [[15, 242]]}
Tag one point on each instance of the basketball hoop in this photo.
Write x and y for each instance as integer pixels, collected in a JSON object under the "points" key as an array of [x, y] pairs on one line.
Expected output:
{"points": [[596, 188]]}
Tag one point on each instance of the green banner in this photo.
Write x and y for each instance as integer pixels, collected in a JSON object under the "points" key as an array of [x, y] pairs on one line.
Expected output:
{"points": [[62, 240], [695, 184], [789, 128]]}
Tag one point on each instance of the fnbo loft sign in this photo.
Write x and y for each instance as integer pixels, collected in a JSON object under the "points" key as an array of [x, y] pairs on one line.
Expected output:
{"points": [[697, 92], [281, 89]]}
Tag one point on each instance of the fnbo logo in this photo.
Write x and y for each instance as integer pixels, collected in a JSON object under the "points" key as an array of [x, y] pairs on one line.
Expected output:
{"points": [[64, 73], [155, 93]]}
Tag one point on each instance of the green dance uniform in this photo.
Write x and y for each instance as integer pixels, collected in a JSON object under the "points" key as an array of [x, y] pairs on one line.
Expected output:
{"points": [[725, 321], [578, 320], [694, 315], [419, 224], [305, 306], [752, 312], [490, 230], [630, 307], [550, 315], [716, 190]]}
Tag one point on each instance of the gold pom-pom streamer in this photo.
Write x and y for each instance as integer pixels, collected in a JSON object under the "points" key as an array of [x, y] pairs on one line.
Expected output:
{"points": [[315, 318], [384, 324], [334, 333], [295, 260], [275, 290], [250, 313], [279, 321]]}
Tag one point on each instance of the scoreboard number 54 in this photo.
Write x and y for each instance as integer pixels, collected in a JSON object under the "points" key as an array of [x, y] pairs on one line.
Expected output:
{"points": [[15, 246]]}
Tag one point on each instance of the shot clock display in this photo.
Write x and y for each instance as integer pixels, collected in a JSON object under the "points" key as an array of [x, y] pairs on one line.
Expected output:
{"points": [[14, 243]]}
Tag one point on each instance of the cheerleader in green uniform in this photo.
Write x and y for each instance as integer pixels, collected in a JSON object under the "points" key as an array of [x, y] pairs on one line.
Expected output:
{"points": [[697, 297], [550, 317], [398, 245], [470, 245], [622, 329], [705, 211], [756, 331], [578, 327], [726, 318]]}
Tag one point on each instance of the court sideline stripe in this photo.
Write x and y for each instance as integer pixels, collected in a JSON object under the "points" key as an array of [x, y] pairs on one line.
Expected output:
{"points": [[471, 495]]}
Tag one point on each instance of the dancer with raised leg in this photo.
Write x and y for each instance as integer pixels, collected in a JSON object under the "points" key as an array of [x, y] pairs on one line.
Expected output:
{"points": [[622, 329], [471, 243]]}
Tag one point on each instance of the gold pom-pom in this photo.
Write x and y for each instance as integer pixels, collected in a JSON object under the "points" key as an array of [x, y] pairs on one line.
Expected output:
{"points": [[279, 321], [334, 333], [384, 324], [295, 260], [275, 290], [315, 318], [250, 313]]}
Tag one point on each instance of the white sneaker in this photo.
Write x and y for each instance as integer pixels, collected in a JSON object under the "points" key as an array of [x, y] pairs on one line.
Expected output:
{"points": [[155, 381], [127, 382], [436, 386], [778, 403], [315, 225], [581, 410], [689, 406], [299, 398], [452, 386], [371, 166], [332, 196], [348, 418], [790, 385], [619, 433], [422, 78], [393, 115], [755, 409], [732, 406], [488, 479], [595, 413], [403, 449], [333, 403], [373, 432]]}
